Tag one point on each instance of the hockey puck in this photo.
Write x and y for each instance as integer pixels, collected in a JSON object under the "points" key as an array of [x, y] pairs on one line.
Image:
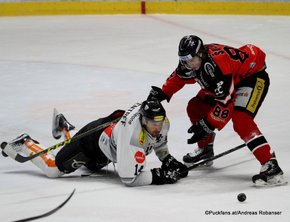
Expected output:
{"points": [[242, 197]]}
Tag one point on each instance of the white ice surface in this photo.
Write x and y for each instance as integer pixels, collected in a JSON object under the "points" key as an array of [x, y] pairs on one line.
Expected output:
{"points": [[88, 66]]}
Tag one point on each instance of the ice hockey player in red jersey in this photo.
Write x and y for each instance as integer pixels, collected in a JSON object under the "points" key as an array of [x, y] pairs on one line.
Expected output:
{"points": [[131, 136], [233, 84]]}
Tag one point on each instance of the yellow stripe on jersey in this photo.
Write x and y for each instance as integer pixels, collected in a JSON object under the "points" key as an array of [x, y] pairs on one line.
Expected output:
{"points": [[142, 137], [256, 95]]}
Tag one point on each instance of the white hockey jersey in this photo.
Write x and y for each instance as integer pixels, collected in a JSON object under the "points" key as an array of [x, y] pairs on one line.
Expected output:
{"points": [[127, 143]]}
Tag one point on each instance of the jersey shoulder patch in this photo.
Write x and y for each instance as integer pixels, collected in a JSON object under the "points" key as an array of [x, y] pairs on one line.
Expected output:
{"points": [[138, 138]]}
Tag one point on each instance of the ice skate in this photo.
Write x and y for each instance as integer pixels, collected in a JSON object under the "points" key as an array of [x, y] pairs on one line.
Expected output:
{"points": [[16, 146], [200, 154], [270, 175], [3, 145], [59, 123]]}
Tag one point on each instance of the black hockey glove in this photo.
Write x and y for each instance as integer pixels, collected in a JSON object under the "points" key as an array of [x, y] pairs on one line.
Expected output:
{"points": [[160, 176], [170, 163], [158, 94], [200, 130]]}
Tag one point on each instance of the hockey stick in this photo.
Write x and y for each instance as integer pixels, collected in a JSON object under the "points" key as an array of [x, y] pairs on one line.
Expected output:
{"points": [[22, 159], [216, 157], [49, 212]]}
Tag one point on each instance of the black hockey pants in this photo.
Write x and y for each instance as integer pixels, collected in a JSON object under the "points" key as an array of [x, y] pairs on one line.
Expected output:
{"points": [[85, 151]]}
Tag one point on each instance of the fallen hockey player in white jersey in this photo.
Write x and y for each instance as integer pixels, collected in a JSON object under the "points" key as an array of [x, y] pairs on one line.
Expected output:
{"points": [[131, 136]]}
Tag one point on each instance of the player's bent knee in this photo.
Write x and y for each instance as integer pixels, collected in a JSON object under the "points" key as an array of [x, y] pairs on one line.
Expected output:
{"points": [[243, 124], [71, 164]]}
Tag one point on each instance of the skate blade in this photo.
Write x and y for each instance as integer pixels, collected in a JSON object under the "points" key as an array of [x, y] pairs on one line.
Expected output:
{"points": [[271, 183], [55, 133]]}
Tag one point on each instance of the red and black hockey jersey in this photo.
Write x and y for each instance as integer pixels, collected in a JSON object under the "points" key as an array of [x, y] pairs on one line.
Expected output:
{"points": [[223, 68]]}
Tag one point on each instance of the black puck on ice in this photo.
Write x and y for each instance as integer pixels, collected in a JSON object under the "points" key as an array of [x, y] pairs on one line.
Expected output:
{"points": [[242, 197]]}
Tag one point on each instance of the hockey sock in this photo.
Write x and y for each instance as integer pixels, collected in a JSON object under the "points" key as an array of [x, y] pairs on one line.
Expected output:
{"points": [[36, 148], [205, 142], [260, 148], [247, 129], [45, 162], [66, 134]]}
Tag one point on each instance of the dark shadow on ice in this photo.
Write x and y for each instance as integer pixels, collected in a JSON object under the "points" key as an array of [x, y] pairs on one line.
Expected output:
{"points": [[27, 172]]}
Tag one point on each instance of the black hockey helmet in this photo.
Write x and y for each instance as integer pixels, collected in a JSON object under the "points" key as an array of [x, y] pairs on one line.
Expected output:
{"points": [[152, 109], [190, 46]]}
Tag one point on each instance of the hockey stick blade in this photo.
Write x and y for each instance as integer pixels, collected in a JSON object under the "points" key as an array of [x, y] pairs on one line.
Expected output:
{"points": [[49, 212], [22, 159], [215, 157]]}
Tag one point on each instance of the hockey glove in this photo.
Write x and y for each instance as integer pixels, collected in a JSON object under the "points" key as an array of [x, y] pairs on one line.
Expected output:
{"points": [[158, 94], [200, 131], [170, 163], [160, 176]]}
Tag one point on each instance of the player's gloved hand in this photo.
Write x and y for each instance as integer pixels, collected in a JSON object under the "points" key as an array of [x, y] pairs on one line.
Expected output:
{"points": [[170, 163], [200, 131], [158, 94], [160, 176]]}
